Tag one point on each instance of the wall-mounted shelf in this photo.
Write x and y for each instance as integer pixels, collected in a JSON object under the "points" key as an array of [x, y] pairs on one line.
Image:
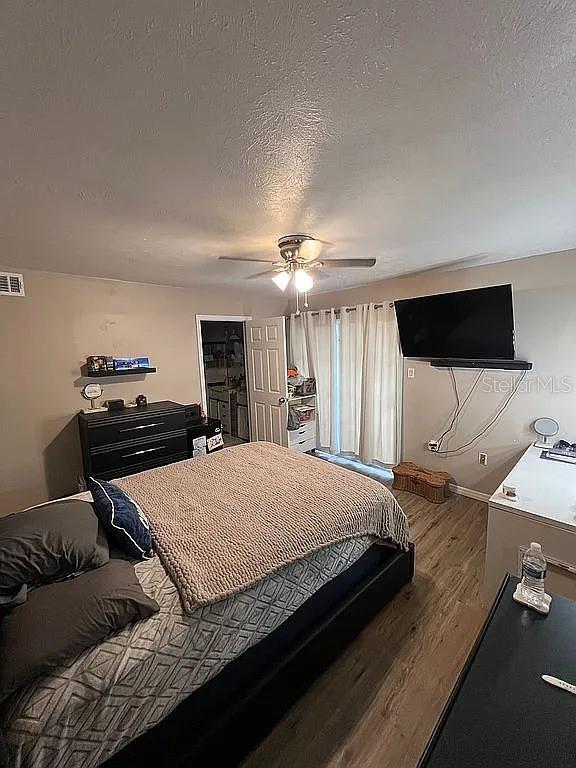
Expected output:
{"points": [[114, 374], [501, 365]]}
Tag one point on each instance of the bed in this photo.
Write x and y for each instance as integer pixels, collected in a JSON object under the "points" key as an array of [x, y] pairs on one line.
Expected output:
{"points": [[183, 679]]}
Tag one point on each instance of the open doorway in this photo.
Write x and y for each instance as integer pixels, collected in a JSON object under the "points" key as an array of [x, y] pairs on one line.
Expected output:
{"points": [[223, 375]]}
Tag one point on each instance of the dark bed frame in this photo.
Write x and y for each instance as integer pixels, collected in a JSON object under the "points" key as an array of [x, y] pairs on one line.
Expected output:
{"points": [[228, 716]]}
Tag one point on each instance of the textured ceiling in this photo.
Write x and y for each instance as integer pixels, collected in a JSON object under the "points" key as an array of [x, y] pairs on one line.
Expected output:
{"points": [[142, 139]]}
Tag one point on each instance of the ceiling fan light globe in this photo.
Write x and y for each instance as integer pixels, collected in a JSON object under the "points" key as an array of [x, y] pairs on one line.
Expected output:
{"points": [[302, 281], [282, 279]]}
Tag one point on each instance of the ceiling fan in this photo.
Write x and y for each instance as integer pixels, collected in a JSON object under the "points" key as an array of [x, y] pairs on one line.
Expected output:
{"points": [[301, 257]]}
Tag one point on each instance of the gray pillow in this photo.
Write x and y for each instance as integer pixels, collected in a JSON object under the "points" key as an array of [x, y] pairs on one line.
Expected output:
{"points": [[60, 620], [48, 543]]}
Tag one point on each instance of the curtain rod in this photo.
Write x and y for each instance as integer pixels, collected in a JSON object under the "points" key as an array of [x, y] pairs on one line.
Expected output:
{"points": [[348, 309]]}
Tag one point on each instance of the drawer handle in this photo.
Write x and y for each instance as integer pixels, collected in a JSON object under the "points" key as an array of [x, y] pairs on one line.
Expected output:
{"points": [[142, 426], [146, 450]]}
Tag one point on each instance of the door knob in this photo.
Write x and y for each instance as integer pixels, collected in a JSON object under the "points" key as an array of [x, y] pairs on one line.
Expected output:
{"points": [[281, 400]]}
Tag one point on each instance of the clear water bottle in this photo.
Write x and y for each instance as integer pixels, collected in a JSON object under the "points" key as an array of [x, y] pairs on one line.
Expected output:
{"points": [[533, 573]]}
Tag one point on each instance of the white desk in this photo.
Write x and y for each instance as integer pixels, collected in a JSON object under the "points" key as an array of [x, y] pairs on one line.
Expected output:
{"points": [[545, 511]]}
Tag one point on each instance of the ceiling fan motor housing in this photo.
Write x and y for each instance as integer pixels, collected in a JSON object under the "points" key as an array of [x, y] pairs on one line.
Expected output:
{"points": [[289, 247]]}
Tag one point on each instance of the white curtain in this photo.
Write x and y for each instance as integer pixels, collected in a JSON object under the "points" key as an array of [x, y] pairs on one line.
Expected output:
{"points": [[312, 349], [381, 388], [355, 357], [298, 344], [353, 322]]}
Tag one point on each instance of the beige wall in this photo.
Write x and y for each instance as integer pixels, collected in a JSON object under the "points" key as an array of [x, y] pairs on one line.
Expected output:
{"points": [[47, 335], [545, 318]]}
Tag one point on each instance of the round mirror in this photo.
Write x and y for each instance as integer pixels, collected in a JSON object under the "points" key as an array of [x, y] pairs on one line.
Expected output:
{"points": [[546, 427], [92, 391]]}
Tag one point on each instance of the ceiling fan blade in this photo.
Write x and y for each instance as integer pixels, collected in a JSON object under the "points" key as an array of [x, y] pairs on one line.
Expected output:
{"points": [[242, 258], [266, 272], [346, 263]]}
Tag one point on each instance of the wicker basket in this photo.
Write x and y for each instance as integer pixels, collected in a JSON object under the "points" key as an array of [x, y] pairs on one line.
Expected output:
{"points": [[428, 483]]}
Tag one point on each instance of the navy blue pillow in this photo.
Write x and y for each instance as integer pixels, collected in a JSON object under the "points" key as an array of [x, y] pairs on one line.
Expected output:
{"points": [[124, 522]]}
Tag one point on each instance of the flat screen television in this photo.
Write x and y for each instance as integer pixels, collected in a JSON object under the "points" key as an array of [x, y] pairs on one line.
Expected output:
{"points": [[470, 325]]}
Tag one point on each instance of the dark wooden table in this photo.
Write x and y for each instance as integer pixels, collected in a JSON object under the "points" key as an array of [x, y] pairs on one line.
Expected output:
{"points": [[501, 714]]}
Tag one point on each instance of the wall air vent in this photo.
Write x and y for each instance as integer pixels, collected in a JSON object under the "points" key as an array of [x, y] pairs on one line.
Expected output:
{"points": [[11, 284]]}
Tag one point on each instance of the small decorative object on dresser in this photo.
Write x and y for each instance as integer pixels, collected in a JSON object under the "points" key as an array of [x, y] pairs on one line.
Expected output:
{"points": [[141, 400], [115, 405], [92, 392], [423, 482]]}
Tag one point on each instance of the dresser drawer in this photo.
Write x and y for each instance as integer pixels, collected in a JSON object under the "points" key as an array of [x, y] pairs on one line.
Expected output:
{"points": [[305, 431], [135, 428], [304, 445], [124, 456]]}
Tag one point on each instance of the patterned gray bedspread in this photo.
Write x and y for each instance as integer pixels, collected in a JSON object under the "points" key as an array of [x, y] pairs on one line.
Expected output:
{"points": [[109, 695]]}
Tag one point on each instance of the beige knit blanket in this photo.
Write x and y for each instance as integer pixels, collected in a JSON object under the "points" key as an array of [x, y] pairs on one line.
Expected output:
{"points": [[225, 521]]}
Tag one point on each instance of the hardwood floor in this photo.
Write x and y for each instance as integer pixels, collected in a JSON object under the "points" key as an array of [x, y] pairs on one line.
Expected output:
{"points": [[230, 441], [378, 703]]}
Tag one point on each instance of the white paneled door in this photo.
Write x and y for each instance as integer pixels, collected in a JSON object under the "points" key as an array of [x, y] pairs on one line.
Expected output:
{"points": [[267, 386]]}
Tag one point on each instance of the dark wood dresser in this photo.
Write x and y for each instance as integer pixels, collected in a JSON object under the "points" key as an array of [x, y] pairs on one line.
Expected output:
{"points": [[501, 713], [119, 443]]}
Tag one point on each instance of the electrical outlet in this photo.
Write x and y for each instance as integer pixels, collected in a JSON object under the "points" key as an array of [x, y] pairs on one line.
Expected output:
{"points": [[434, 446], [483, 459], [410, 373]]}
